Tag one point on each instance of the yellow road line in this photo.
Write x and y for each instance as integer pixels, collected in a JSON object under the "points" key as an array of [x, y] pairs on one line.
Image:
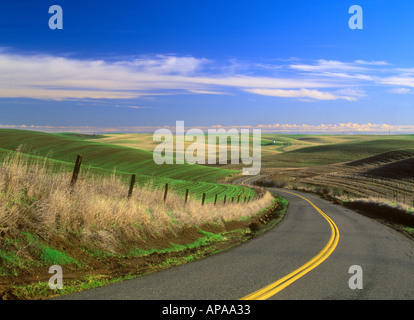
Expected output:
{"points": [[248, 179], [273, 288]]}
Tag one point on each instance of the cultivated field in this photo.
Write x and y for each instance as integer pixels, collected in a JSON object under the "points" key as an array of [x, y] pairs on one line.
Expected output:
{"points": [[352, 166], [104, 159], [378, 169]]}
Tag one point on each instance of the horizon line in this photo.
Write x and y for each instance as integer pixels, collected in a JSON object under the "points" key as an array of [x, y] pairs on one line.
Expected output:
{"points": [[338, 129]]}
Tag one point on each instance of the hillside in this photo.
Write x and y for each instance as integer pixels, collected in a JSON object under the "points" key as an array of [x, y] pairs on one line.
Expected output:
{"points": [[401, 169], [105, 158], [388, 176], [331, 153]]}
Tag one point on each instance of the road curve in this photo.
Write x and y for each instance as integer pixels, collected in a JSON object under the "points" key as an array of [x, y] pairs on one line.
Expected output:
{"points": [[385, 256]]}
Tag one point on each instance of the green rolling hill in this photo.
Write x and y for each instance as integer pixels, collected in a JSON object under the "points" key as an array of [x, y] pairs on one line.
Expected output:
{"points": [[102, 158]]}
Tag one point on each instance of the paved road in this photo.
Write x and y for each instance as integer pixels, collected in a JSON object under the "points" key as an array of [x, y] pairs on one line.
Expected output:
{"points": [[385, 256]]}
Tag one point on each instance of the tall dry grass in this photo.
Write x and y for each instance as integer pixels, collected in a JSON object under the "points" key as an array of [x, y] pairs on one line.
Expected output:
{"points": [[35, 198]]}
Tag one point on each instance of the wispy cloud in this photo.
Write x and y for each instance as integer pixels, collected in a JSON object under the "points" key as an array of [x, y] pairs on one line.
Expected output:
{"points": [[301, 93], [62, 78], [401, 90], [208, 92], [340, 128], [400, 81], [131, 107], [163, 64], [327, 65], [57, 78], [372, 63]]}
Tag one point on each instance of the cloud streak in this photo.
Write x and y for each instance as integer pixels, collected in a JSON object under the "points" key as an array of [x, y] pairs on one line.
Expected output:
{"points": [[302, 93], [61, 78]]}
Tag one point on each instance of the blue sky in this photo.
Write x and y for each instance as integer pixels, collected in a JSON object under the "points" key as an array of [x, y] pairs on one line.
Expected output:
{"points": [[259, 63]]}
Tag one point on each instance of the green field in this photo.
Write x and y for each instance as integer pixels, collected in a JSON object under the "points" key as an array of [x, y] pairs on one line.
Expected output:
{"points": [[291, 150], [105, 158], [288, 150], [294, 151]]}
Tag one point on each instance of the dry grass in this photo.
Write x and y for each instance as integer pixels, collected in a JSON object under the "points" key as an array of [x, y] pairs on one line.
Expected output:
{"points": [[97, 211]]}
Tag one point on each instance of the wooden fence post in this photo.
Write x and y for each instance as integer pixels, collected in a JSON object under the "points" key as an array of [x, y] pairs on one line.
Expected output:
{"points": [[76, 170], [203, 199], [225, 197], [215, 199], [131, 186], [186, 196], [166, 192]]}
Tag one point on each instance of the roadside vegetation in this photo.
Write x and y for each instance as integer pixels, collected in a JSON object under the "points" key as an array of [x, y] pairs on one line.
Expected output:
{"points": [[98, 235]]}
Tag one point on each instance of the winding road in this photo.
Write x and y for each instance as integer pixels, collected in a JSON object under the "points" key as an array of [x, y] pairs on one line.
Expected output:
{"points": [[306, 256]]}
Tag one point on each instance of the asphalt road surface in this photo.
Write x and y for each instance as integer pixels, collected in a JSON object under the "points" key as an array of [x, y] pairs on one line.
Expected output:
{"points": [[385, 258]]}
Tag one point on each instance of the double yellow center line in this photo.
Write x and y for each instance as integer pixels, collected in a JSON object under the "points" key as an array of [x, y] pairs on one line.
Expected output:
{"points": [[273, 288]]}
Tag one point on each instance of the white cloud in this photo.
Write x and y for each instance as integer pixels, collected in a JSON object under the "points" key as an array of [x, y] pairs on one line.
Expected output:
{"points": [[352, 92], [403, 81], [372, 63], [401, 90], [163, 64], [301, 93], [327, 65], [131, 107], [59, 78], [49, 77], [208, 92]]}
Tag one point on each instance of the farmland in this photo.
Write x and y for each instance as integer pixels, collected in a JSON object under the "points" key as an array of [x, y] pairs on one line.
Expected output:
{"points": [[375, 168], [358, 166], [106, 158]]}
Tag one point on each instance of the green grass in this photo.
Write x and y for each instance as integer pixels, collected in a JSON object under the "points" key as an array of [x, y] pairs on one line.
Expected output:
{"points": [[105, 156], [12, 262], [206, 239], [409, 230], [41, 289], [47, 255]]}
